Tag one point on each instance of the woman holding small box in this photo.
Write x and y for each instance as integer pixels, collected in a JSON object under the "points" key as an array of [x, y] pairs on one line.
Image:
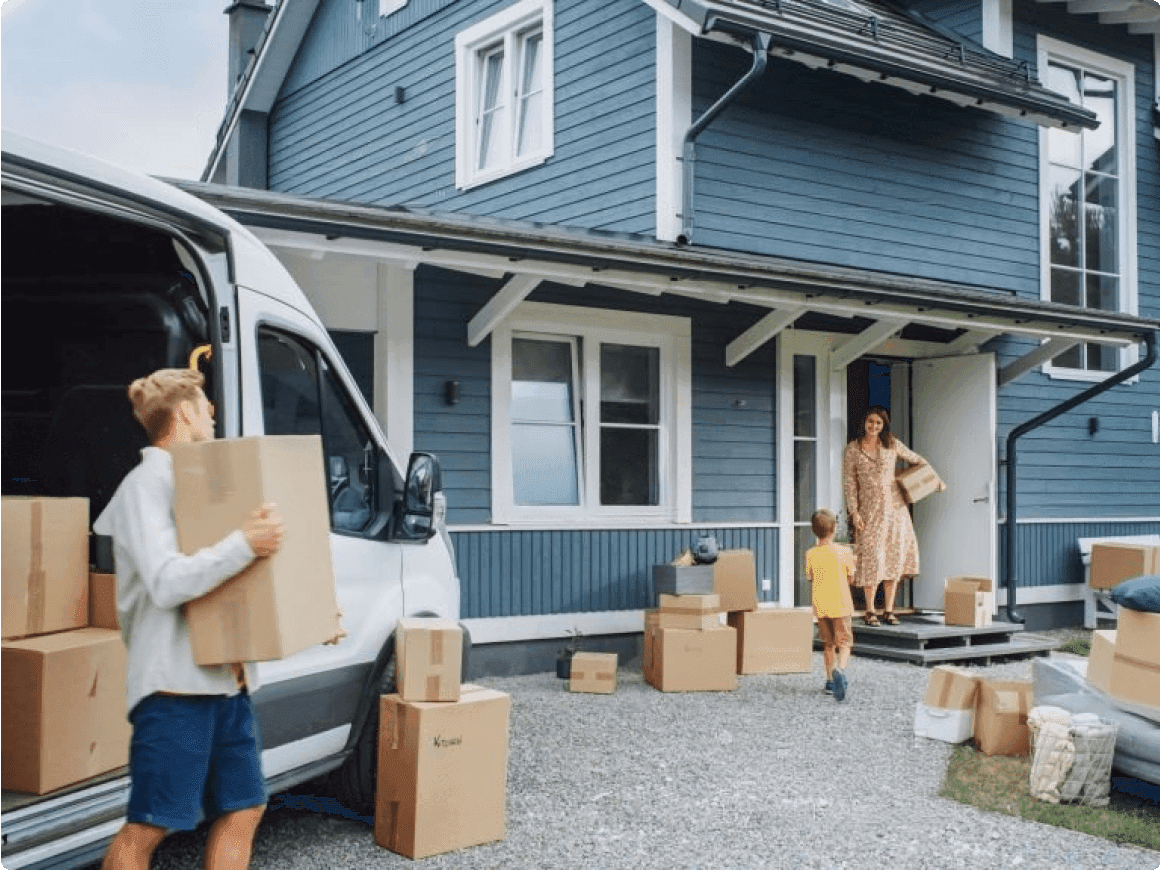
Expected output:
{"points": [[885, 545]]}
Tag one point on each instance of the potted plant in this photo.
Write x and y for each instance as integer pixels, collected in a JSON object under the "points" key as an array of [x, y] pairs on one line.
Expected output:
{"points": [[564, 657]]}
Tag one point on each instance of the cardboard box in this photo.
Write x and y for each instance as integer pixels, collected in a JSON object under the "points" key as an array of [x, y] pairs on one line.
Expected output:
{"points": [[941, 723], [680, 660], [1001, 717], [698, 612], [951, 688], [45, 565], [1135, 672], [103, 601], [64, 709], [919, 481], [442, 772], [735, 580], [778, 640], [1113, 563], [430, 659], [279, 605], [593, 672], [969, 601], [1099, 663], [683, 579]]}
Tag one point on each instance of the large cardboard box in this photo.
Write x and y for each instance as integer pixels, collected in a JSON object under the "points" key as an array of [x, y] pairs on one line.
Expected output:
{"points": [[278, 605], [919, 481], [594, 673], [681, 660], [430, 659], [968, 601], [103, 601], [442, 772], [1113, 563], [45, 559], [951, 688], [778, 640], [689, 611], [1099, 663], [1001, 717], [64, 708], [735, 580], [1135, 673]]}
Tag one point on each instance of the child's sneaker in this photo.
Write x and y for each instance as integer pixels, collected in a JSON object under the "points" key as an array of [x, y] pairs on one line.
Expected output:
{"points": [[839, 685], [828, 688]]}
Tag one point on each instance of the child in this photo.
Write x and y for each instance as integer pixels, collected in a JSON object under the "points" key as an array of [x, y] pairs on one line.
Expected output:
{"points": [[829, 567]]}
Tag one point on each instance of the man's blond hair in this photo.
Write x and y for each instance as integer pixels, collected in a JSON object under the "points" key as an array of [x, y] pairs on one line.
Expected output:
{"points": [[155, 398]]}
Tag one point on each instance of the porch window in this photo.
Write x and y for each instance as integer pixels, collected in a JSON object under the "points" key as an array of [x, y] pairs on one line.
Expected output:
{"points": [[584, 420], [503, 86], [1087, 198]]}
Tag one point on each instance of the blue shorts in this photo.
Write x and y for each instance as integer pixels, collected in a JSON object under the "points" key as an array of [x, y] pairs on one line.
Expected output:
{"points": [[193, 757]]}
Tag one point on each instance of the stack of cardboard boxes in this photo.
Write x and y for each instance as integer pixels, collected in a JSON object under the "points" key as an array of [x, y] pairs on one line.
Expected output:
{"points": [[1125, 663], [772, 640], [958, 705], [443, 749], [63, 673], [686, 646]]}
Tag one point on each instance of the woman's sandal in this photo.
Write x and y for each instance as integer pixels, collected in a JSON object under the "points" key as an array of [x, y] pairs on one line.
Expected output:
{"points": [[890, 618], [870, 619]]}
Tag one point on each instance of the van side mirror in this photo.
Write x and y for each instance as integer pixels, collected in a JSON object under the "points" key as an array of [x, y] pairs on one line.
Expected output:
{"points": [[424, 479]]}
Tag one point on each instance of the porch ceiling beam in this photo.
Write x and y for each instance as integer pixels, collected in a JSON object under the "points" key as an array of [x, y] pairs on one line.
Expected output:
{"points": [[1144, 29], [1089, 7], [1044, 353], [500, 305], [969, 341], [864, 342], [1137, 14], [761, 332]]}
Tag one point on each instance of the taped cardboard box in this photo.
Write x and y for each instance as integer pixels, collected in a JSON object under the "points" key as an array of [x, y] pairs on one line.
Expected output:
{"points": [[951, 688], [442, 772], [103, 601], [1001, 717], [776, 640], [697, 612], [64, 709], [45, 565], [594, 673], [735, 580], [919, 481], [430, 659], [1112, 563], [1099, 663], [968, 601], [681, 660], [1135, 673], [279, 605]]}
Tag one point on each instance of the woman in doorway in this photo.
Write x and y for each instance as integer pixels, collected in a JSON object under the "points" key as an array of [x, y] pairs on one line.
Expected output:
{"points": [[885, 545]]}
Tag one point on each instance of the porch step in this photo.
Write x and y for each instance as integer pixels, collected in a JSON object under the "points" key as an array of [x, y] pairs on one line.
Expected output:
{"points": [[980, 654]]}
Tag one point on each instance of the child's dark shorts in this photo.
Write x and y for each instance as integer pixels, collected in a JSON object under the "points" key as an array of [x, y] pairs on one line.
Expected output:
{"points": [[193, 757], [836, 631]]}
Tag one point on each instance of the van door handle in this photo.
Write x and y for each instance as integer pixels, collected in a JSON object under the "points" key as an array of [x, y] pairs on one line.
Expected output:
{"points": [[981, 498]]}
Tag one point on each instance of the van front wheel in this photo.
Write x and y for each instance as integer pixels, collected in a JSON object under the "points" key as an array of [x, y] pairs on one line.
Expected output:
{"points": [[353, 784]]}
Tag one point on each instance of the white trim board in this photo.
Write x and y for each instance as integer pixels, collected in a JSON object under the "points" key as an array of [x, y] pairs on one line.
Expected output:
{"points": [[1088, 520], [1057, 594], [607, 525]]}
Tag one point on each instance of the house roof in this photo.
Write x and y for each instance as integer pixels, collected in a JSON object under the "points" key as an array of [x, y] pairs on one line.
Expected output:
{"points": [[883, 41]]}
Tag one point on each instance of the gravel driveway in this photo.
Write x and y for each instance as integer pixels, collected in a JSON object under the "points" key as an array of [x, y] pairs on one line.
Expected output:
{"points": [[775, 774]]}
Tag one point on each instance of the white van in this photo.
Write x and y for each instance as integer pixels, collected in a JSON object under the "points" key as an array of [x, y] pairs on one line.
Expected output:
{"points": [[109, 275]]}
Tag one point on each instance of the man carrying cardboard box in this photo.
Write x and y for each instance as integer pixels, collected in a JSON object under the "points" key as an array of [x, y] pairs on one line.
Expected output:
{"points": [[195, 742]]}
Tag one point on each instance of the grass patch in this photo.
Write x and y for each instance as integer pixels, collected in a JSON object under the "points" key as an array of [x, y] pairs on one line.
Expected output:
{"points": [[1000, 784], [1080, 647]]}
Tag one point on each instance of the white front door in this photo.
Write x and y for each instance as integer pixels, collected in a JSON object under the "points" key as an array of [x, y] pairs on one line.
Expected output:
{"points": [[954, 414]]}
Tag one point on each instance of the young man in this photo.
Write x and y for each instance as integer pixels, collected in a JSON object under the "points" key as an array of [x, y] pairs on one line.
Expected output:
{"points": [[830, 567], [195, 746]]}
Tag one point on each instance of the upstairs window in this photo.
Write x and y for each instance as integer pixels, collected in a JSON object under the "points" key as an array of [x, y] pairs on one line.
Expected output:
{"points": [[1087, 198], [503, 93]]}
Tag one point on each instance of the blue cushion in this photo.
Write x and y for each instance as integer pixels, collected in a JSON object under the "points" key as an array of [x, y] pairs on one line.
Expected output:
{"points": [[1139, 593]]}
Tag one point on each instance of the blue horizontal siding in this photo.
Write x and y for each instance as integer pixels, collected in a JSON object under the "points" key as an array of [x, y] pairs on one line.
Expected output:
{"points": [[525, 573], [965, 17], [1047, 554]]}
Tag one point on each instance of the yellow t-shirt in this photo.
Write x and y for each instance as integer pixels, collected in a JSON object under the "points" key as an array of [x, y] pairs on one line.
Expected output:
{"points": [[828, 568]]}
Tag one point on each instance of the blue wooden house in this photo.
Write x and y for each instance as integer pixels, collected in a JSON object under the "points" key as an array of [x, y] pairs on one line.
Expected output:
{"points": [[634, 270]]}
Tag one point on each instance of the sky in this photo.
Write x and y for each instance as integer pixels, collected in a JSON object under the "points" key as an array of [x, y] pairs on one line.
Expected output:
{"points": [[141, 83]]}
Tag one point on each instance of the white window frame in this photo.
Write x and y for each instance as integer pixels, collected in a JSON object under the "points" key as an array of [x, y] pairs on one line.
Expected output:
{"points": [[672, 336], [505, 26], [1124, 73], [390, 7]]}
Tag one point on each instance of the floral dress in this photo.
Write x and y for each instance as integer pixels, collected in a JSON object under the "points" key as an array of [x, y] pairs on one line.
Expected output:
{"points": [[886, 548]]}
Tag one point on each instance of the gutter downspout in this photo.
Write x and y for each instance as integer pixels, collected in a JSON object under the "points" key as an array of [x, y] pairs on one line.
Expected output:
{"points": [[761, 43], [1009, 571]]}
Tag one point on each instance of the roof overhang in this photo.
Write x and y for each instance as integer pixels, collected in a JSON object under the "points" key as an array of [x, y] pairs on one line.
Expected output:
{"points": [[1141, 17], [881, 42], [526, 254]]}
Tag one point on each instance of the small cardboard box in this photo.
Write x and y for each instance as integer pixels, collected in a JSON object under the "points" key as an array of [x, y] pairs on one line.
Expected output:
{"points": [[593, 672], [64, 709], [430, 659], [945, 724], [919, 481], [45, 559], [683, 579], [679, 660], [1113, 563], [968, 601], [776, 640], [278, 605], [697, 612], [1135, 673], [1001, 717], [951, 688], [735, 580], [442, 772], [1099, 663], [103, 601]]}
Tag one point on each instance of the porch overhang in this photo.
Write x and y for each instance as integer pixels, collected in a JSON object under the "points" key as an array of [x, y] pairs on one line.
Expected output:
{"points": [[526, 254], [887, 43]]}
